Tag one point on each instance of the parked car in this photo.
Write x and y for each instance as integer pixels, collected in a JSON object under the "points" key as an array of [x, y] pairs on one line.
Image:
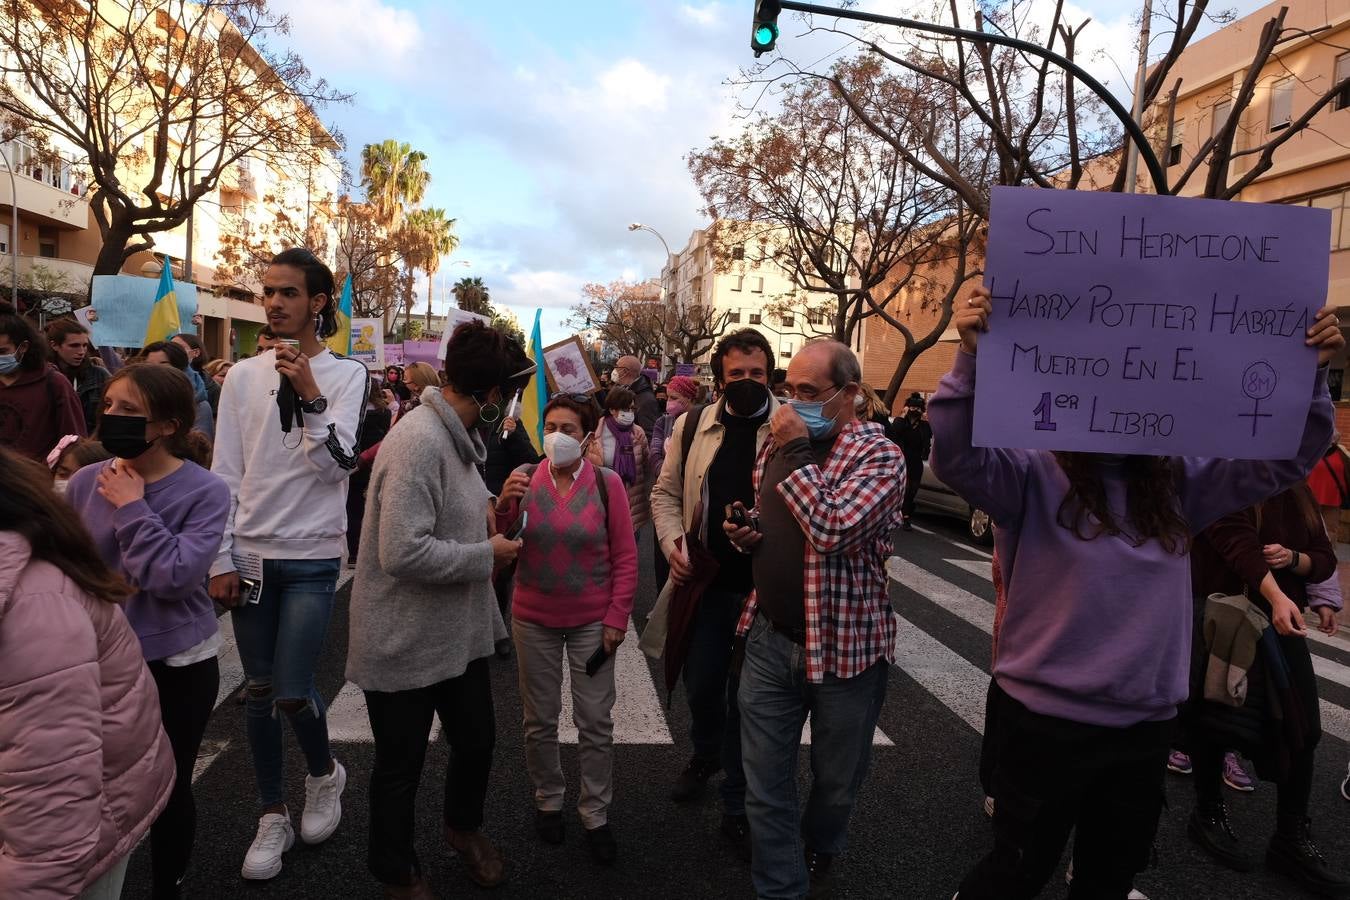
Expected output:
{"points": [[934, 496]]}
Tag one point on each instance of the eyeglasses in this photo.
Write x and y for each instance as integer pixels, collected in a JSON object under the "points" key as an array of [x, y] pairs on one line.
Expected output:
{"points": [[579, 398], [815, 395]]}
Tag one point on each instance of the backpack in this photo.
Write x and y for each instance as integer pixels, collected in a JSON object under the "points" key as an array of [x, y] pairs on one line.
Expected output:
{"points": [[689, 432], [1340, 481]]}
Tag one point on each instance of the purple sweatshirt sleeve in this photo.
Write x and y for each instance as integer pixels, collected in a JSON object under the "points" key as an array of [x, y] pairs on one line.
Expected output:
{"points": [[1212, 488], [991, 479], [1326, 593], [168, 565]]}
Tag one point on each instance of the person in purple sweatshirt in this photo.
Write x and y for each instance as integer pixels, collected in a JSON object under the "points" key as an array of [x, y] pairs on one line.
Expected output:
{"points": [[157, 518], [1094, 650]]}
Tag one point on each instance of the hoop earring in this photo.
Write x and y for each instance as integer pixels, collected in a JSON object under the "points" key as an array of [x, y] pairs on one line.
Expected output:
{"points": [[485, 418]]}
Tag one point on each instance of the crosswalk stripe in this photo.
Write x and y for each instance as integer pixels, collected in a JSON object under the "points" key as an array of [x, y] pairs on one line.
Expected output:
{"points": [[946, 675], [955, 543], [974, 567], [958, 601]]}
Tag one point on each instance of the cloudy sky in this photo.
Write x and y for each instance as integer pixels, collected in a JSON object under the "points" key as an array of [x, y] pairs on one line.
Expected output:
{"points": [[550, 126]]}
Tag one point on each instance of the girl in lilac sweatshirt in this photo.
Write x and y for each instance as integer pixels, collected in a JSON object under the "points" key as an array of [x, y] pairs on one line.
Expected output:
{"points": [[1095, 644], [157, 518]]}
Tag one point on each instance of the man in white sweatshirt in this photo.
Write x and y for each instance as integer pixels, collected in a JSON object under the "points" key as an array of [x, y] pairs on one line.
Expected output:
{"points": [[285, 444]]}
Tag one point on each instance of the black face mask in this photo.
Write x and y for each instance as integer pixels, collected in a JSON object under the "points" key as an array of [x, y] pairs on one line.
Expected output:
{"points": [[746, 397], [123, 436]]}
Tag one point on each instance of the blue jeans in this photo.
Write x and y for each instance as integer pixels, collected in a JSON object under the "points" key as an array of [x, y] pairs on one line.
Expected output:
{"points": [[715, 725], [280, 638], [775, 699]]}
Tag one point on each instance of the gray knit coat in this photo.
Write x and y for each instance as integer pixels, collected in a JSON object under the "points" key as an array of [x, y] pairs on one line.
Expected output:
{"points": [[422, 604]]}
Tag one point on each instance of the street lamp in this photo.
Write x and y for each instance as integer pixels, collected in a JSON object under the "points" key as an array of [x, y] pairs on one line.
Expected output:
{"points": [[638, 226], [14, 226]]}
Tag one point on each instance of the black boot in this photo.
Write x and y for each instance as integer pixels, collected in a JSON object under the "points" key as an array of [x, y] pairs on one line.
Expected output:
{"points": [[818, 868], [1293, 853], [1209, 828]]}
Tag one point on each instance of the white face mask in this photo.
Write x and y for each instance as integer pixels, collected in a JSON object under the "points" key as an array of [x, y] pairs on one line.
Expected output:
{"points": [[860, 403], [561, 449], [625, 418], [59, 485]]}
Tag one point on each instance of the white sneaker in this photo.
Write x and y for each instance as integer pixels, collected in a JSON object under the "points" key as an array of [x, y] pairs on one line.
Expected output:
{"points": [[323, 805], [275, 836]]}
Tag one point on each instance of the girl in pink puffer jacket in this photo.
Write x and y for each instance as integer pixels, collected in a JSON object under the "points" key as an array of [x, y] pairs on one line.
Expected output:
{"points": [[85, 766]]}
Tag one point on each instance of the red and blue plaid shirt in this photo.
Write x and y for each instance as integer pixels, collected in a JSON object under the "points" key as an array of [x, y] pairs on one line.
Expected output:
{"points": [[847, 511]]}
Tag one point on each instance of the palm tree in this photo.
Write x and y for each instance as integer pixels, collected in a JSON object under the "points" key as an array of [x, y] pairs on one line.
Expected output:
{"points": [[393, 177], [435, 238], [471, 295]]}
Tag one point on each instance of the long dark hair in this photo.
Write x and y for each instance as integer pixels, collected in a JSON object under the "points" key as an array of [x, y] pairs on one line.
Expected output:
{"points": [[1307, 507], [29, 507], [195, 343], [1151, 502]]}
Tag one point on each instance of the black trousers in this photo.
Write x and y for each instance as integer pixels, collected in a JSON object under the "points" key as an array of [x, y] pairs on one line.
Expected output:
{"points": [[187, 694], [401, 723], [913, 477], [1051, 777]]}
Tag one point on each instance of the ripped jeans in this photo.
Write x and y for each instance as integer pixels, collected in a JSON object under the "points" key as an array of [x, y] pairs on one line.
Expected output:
{"points": [[280, 638]]}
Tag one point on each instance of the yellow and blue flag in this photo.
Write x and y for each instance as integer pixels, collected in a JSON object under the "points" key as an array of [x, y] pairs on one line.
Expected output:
{"points": [[164, 322], [536, 392], [341, 340]]}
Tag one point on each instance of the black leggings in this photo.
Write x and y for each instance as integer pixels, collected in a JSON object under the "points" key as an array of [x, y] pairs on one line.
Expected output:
{"points": [[187, 694]]}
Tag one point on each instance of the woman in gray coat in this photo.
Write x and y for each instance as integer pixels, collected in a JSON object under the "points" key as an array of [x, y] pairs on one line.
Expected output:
{"points": [[424, 617]]}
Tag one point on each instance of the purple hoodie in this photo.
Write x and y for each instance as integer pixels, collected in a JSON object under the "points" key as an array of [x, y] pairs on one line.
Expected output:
{"points": [[1095, 631], [164, 545]]}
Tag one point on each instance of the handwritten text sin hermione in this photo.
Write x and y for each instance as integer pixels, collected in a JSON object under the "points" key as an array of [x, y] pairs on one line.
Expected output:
{"points": [[1138, 242]]}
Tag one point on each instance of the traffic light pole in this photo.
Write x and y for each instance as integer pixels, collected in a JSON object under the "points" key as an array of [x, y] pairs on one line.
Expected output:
{"points": [[1136, 134]]}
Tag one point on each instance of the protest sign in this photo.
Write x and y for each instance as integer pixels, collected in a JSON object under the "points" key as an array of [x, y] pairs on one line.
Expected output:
{"points": [[393, 354], [1130, 323], [453, 319], [368, 343], [122, 305]]}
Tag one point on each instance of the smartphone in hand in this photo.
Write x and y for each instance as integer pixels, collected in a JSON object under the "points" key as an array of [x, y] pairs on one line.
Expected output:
{"points": [[597, 660], [737, 516], [519, 529]]}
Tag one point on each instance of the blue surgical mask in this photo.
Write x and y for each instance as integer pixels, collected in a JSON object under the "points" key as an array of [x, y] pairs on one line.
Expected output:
{"points": [[9, 363], [813, 416]]}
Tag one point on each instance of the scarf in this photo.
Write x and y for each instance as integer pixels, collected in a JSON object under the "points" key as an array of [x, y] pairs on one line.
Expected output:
{"points": [[624, 462]]}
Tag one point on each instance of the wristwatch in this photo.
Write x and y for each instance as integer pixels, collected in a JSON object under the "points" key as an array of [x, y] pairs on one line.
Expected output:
{"points": [[318, 405]]}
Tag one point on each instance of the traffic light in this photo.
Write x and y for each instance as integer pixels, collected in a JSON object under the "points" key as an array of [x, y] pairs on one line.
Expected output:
{"points": [[765, 32]]}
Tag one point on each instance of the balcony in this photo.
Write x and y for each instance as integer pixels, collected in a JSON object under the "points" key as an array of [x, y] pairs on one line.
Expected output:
{"points": [[49, 275], [48, 186]]}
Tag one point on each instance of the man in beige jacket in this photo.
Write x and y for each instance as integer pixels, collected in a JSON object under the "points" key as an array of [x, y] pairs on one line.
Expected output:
{"points": [[691, 497]]}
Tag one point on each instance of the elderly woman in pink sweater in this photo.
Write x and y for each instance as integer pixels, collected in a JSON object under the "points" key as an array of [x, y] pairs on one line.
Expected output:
{"points": [[575, 579]]}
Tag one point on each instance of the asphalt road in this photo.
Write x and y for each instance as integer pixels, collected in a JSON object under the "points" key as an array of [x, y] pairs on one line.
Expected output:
{"points": [[917, 826]]}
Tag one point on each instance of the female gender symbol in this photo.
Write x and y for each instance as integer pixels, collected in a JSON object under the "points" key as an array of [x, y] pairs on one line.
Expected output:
{"points": [[1258, 383]]}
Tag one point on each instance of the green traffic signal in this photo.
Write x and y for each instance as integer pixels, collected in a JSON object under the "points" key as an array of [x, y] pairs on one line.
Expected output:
{"points": [[765, 32], [765, 36]]}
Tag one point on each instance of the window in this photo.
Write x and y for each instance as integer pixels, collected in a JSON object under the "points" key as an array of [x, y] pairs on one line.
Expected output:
{"points": [[1340, 223], [1341, 75], [734, 317], [47, 242], [756, 319], [757, 285], [1222, 110], [788, 320], [1281, 104], [738, 253], [4, 238], [740, 282], [1178, 141], [786, 352], [816, 317]]}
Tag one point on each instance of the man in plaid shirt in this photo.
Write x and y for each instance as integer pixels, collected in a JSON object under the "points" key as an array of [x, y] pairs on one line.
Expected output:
{"points": [[820, 631]]}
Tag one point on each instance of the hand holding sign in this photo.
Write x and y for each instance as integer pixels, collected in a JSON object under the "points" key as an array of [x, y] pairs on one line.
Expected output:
{"points": [[1148, 325]]}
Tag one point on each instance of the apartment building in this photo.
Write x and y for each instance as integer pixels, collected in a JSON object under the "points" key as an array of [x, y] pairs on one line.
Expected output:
{"points": [[745, 284], [58, 239]]}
